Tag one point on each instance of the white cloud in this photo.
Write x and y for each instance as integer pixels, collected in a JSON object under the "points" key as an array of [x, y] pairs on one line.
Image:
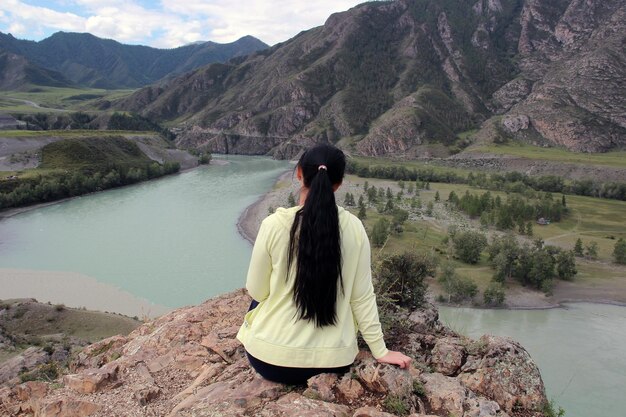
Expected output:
{"points": [[17, 28], [36, 17], [271, 21], [171, 23]]}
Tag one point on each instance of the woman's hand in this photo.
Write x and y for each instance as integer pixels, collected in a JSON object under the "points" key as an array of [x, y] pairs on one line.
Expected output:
{"points": [[395, 358]]}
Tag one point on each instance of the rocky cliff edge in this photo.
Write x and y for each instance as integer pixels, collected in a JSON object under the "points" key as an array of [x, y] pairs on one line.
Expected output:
{"points": [[188, 363]]}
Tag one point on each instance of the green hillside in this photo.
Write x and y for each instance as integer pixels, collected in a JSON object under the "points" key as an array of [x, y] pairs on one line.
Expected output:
{"points": [[94, 153]]}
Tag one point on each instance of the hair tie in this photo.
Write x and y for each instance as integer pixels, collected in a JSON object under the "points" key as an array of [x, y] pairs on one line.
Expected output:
{"points": [[322, 167]]}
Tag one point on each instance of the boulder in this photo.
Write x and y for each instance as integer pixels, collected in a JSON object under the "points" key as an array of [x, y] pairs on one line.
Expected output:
{"points": [[504, 371], [294, 404]]}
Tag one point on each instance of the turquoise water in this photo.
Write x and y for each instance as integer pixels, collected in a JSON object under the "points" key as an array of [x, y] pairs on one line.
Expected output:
{"points": [[172, 241], [580, 350]]}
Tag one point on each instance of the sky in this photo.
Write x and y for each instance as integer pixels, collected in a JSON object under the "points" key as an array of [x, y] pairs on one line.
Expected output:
{"points": [[167, 23]]}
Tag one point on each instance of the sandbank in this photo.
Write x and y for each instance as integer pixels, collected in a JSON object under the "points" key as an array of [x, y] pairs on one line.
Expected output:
{"points": [[74, 290]]}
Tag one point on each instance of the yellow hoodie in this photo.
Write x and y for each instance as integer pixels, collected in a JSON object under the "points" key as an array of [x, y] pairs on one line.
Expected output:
{"points": [[272, 333]]}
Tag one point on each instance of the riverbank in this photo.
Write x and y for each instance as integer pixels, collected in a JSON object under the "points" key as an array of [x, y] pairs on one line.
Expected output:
{"points": [[584, 289]]}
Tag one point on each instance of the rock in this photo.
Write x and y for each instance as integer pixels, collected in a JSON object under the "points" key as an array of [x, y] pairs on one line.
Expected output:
{"points": [[99, 353], [515, 123], [31, 390], [482, 407], [349, 389], [383, 378], [294, 404], [320, 387], [425, 320], [165, 369], [146, 393], [445, 394], [237, 395], [29, 359], [371, 412], [448, 356], [68, 408], [91, 380], [503, 371]]}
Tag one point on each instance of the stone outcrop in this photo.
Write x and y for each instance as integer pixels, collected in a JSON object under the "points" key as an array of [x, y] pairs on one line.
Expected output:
{"points": [[188, 363]]}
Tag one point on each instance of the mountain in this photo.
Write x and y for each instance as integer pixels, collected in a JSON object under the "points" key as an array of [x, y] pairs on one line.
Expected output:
{"points": [[17, 72], [391, 77], [87, 60]]}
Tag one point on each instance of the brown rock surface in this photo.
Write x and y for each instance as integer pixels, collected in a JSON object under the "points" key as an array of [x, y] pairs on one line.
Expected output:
{"points": [[188, 363]]}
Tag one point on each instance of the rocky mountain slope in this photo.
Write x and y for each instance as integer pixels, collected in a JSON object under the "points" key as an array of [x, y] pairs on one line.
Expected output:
{"points": [[89, 61], [188, 363], [17, 71], [390, 77]]}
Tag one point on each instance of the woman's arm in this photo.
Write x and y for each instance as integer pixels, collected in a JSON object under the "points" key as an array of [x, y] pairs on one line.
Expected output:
{"points": [[260, 269], [365, 311]]}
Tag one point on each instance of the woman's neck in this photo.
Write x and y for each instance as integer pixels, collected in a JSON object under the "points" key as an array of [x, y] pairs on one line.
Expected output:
{"points": [[303, 193]]}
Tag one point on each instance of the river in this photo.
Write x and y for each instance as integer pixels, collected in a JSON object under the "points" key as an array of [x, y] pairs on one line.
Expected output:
{"points": [[169, 242], [580, 350], [150, 247]]}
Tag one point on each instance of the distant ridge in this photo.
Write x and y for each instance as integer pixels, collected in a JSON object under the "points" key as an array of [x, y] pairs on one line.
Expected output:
{"points": [[89, 61], [17, 72], [415, 78]]}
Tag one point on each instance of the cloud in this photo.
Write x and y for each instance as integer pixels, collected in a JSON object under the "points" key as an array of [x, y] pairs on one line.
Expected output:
{"points": [[37, 17], [170, 23], [271, 21]]}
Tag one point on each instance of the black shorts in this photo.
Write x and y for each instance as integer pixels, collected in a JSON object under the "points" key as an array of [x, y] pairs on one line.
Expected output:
{"points": [[288, 375]]}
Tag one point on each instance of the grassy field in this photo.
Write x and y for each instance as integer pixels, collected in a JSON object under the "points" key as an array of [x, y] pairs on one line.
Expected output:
{"points": [[591, 219], [32, 323], [72, 99], [410, 164], [612, 159]]}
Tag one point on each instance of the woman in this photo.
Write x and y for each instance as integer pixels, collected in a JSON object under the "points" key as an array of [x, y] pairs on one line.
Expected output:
{"points": [[311, 275]]}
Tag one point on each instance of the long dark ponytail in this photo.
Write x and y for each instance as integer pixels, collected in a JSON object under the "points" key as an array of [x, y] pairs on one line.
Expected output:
{"points": [[314, 240]]}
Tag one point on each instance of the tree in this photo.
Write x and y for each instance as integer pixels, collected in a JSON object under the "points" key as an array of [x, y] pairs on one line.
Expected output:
{"points": [[566, 265], [619, 251], [400, 278], [291, 201], [591, 250], [468, 246], [410, 188], [458, 288], [529, 229], [362, 214], [541, 272], [494, 294], [437, 197], [380, 232], [578, 248], [401, 184], [429, 208]]}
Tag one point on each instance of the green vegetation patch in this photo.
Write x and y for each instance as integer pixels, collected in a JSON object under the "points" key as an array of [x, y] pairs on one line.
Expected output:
{"points": [[613, 159], [92, 153]]}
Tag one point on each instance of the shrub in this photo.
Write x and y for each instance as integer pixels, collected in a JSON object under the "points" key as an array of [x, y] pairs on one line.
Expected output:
{"points": [[400, 278], [47, 372], [469, 245], [394, 404], [494, 294], [619, 251], [380, 232]]}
